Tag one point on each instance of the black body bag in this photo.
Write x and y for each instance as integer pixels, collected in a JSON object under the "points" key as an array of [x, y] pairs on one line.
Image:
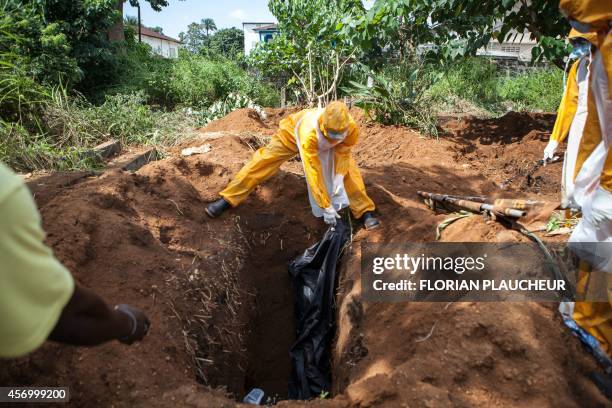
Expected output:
{"points": [[314, 281]]}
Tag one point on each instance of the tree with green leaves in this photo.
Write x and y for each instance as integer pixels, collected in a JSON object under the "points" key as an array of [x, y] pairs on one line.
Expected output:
{"points": [[156, 5], [62, 41], [194, 39], [309, 45], [208, 24], [457, 28], [197, 37], [227, 42]]}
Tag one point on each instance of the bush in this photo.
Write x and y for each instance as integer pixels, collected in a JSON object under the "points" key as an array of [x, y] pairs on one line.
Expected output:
{"points": [[198, 82], [73, 121], [193, 81], [476, 81], [25, 151], [473, 79], [537, 90], [70, 125], [397, 96]]}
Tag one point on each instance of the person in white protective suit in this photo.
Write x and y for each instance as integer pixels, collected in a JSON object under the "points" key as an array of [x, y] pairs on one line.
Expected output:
{"points": [[588, 169], [323, 138], [572, 112]]}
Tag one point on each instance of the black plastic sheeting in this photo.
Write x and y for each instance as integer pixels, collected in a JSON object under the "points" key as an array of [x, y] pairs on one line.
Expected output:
{"points": [[314, 280]]}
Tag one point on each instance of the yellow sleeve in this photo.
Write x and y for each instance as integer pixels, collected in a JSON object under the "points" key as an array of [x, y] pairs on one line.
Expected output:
{"points": [[342, 152], [567, 108], [313, 170], [285, 131], [286, 128], [35, 287]]}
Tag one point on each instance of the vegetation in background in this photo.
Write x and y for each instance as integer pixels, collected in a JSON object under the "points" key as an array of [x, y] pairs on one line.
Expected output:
{"points": [[227, 43], [475, 84], [65, 87], [538, 90], [204, 38], [198, 81], [55, 103], [389, 55], [197, 35], [397, 95]]}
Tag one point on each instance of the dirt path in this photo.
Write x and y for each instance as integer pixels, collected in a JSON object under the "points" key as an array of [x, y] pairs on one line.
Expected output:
{"points": [[220, 299]]}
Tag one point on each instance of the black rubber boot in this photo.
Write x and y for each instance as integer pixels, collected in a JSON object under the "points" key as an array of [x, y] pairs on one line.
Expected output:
{"points": [[370, 222], [213, 210]]}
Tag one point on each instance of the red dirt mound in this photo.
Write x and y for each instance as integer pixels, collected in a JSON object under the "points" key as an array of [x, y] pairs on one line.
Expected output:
{"points": [[241, 120], [220, 298], [456, 354], [212, 288], [249, 121], [507, 150]]}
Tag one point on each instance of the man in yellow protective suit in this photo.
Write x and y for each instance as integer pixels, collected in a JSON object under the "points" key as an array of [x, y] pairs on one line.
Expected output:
{"points": [[592, 170], [572, 113], [323, 138]]}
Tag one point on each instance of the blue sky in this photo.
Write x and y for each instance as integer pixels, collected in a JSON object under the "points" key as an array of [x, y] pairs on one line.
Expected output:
{"points": [[228, 13]]}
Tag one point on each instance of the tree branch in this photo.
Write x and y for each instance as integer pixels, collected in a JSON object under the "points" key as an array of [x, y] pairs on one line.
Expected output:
{"points": [[336, 75]]}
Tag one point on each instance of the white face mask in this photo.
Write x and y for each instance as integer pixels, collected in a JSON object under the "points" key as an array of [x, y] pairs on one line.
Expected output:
{"points": [[580, 50], [337, 136]]}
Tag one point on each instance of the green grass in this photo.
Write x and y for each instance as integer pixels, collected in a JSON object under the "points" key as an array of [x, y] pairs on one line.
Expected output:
{"points": [[476, 82], [160, 102], [539, 90], [73, 125], [45, 127]]}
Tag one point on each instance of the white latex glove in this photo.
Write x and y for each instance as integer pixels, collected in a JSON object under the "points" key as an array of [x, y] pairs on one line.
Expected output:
{"points": [[549, 151], [601, 208], [330, 215]]}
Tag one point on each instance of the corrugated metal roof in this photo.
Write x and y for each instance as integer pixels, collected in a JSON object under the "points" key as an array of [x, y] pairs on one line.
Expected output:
{"points": [[267, 27]]}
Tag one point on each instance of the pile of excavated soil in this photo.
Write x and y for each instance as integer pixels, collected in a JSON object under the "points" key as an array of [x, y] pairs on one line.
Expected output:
{"points": [[248, 120], [507, 150], [220, 298], [212, 288], [455, 354]]}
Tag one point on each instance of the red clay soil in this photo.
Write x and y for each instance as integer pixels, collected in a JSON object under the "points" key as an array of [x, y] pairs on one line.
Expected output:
{"points": [[220, 298], [248, 120]]}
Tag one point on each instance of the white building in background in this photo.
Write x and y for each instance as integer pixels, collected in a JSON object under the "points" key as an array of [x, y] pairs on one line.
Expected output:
{"points": [[161, 44], [255, 33], [518, 47]]}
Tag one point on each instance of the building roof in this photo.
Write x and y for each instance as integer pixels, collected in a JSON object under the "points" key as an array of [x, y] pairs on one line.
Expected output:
{"points": [[267, 27], [150, 33], [257, 22]]}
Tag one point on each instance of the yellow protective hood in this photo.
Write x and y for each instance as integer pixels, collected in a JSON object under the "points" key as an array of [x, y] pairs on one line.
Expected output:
{"points": [[335, 120], [590, 37], [595, 13]]}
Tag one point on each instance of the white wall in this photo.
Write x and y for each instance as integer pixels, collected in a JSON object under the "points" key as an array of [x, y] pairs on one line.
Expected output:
{"points": [[251, 38], [165, 48], [519, 50]]}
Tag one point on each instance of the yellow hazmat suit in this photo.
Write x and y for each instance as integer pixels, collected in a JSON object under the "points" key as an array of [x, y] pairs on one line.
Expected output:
{"points": [[314, 134], [595, 17], [572, 116], [569, 102], [593, 167]]}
